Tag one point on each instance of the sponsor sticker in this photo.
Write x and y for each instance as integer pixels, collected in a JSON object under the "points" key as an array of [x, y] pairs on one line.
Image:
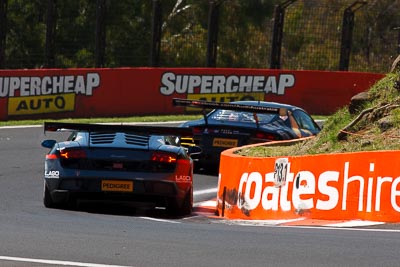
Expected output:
{"points": [[183, 178], [117, 186], [225, 142], [52, 174], [280, 171]]}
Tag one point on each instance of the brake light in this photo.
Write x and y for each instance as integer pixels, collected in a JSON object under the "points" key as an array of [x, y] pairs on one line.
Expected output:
{"points": [[72, 154], [163, 157], [266, 136], [51, 156]]}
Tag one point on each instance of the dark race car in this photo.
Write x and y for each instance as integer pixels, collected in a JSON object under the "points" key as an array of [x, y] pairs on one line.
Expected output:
{"points": [[119, 163], [242, 123]]}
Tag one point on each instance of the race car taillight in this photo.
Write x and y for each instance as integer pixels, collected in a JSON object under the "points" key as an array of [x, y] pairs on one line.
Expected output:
{"points": [[72, 153], [163, 157], [266, 136], [52, 156]]}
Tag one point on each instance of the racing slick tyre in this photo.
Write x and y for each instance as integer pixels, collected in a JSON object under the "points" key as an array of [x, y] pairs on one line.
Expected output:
{"points": [[47, 200], [184, 209]]}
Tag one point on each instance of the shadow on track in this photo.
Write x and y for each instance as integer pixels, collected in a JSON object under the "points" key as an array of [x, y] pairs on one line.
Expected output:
{"points": [[122, 209]]}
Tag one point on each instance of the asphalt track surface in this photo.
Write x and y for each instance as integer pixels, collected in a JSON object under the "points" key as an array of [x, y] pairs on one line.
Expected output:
{"points": [[31, 235]]}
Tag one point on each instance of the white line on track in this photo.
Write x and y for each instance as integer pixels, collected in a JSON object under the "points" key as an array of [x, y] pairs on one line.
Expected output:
{"points": [[20, 126], [57, 262], [159, 220], [340, 228], [200, 192], [207, 203], [354, 223], [205, 191]]}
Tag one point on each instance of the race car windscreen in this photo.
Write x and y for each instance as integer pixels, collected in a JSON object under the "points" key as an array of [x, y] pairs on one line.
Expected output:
{"points": [[242, 116]]}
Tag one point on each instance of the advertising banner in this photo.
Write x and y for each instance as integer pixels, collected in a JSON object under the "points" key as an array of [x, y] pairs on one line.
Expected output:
{"points": [[346, 186], [61, 93]]}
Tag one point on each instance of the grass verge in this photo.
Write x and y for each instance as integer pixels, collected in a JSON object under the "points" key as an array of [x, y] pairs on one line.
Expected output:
{"points": [[165, 118], [378, 129]]}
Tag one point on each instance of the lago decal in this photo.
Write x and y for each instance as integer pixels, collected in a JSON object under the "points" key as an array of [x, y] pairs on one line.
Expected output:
{"points": [[48, 94]]}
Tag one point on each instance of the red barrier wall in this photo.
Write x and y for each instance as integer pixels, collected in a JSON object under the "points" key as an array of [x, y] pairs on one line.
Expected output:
{"points": [[346, 186], [57, 93]]}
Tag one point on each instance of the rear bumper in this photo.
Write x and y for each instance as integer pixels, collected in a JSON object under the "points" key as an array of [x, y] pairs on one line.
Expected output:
{"points": [[63, 196], [156, 192], [60, 196]]}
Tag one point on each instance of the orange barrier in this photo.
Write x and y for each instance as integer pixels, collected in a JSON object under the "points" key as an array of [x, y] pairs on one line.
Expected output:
{"points": [[345, 186], [71, 93]]}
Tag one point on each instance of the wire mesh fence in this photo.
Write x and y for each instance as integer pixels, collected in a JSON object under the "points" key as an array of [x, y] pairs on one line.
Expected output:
{"points": [[312, 36], [184, 34], [242, 35]]}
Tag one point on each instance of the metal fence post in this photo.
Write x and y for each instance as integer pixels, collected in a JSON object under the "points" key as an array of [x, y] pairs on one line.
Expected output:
{"points": [[223, 202], [212, 41], [156, 34], [100, 33], [50, 31], [347, 34], [3, 31], [277, 34], [398, 39]]}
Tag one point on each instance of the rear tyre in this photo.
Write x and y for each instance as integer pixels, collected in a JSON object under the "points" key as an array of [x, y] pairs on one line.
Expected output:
{"points": [[184, 209], [47, 200], [187, 204]]}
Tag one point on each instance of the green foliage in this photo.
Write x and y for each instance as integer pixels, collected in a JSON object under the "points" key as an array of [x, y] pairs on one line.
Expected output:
{"points": [[242, 41], [25, 34], [374, 130], [128, 33], [184, 34], [311, 38]]}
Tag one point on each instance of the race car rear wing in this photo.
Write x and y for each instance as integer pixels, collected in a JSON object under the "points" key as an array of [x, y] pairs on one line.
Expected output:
{"points": [[230, 106], [139, 129], [222, 105]]}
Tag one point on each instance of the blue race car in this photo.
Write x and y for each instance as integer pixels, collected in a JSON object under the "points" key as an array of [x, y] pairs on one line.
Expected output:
{"points": [[244, 122], [119, 163]]}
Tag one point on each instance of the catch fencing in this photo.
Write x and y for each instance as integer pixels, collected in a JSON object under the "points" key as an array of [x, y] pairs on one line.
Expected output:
{"points": [[292, 34]]}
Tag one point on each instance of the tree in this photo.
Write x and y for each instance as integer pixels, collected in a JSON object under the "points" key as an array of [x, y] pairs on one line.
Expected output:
{"points": [[25, 33]]}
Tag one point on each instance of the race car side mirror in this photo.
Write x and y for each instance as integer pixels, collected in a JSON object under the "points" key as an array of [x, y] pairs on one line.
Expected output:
{"points": [[194, 150], [49, 143]]}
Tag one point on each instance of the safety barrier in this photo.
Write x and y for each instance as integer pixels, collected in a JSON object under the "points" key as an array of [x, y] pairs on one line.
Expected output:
{"points": [[343, 186], [82, 93]]}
